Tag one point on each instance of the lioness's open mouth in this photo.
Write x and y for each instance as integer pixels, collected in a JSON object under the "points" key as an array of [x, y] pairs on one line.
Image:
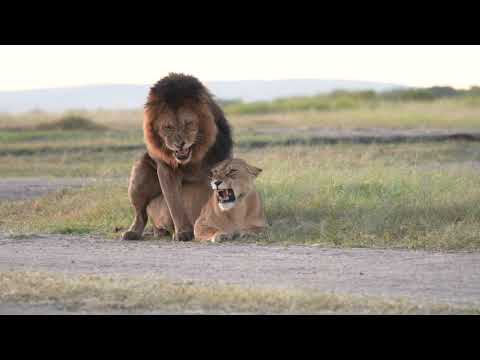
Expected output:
{"points": [[182, 155], [225, 196]]}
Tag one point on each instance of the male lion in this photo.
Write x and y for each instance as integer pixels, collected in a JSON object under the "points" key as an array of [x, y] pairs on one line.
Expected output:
{"points": [[186, 134]]}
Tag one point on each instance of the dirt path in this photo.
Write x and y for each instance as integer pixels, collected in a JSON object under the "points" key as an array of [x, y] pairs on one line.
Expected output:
{"points": [[452, 278]]}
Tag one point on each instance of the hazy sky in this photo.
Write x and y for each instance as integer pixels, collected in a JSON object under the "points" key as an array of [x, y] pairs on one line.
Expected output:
{"points": [[30, 67]]}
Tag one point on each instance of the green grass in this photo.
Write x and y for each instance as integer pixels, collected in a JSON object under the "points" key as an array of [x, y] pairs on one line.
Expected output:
{"points": [[152, 293], [341, 100], [33, 139], [97, 209], [448, 114], [304, 103], [344, 100], [373, 205], [418, 196], [68, 153], [406, 195]]}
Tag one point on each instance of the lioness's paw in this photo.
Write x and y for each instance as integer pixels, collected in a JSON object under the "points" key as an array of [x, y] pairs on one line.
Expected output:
{"points": [[222, 237], [131, 235], [248, 236], [183, 236]]}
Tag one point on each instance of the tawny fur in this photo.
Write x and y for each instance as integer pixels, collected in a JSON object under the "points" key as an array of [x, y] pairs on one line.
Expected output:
{"points": [[246, 218], [194, 197]]}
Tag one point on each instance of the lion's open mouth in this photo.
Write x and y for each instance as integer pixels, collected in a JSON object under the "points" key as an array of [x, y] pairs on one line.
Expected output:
{"points": [[225, 196], [182, 155]]}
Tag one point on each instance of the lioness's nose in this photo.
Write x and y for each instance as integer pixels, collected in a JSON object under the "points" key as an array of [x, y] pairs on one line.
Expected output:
{"points": [[217, 182]]}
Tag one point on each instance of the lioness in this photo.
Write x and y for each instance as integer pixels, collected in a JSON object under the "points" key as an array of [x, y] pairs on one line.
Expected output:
{"points": [[235, 208], [186, 134]]}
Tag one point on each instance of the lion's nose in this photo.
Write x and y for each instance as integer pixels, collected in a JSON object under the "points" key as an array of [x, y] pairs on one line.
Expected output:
{"points": [[217, 182], [180, 144]]}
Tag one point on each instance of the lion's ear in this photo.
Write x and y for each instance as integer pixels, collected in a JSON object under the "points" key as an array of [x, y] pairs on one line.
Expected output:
{"points": [[255, 171]]}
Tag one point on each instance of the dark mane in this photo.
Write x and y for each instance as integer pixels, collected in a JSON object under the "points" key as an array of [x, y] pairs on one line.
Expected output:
{"points": [[222, 149], [175, 88]]}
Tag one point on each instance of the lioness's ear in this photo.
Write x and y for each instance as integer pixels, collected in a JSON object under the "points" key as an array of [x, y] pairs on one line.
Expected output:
{"points": [[255, 171]]}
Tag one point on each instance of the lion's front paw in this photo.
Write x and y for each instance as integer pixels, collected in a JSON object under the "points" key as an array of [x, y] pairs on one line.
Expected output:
{"points": [[131, 235], [183, 236]]}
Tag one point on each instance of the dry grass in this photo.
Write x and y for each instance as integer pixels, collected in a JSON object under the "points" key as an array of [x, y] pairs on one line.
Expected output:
{"points": [[150, 293], [446, 113], [422, 196]]}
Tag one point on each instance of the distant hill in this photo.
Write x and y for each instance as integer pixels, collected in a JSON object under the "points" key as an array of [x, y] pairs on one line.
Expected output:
{"points": [[133, 96]]}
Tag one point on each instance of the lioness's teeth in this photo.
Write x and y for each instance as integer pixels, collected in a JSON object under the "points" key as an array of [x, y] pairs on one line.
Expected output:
{"points": [[225, 195]]}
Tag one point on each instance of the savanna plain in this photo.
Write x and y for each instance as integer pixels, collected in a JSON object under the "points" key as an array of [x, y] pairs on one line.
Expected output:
{"points": [[319, 191]]}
